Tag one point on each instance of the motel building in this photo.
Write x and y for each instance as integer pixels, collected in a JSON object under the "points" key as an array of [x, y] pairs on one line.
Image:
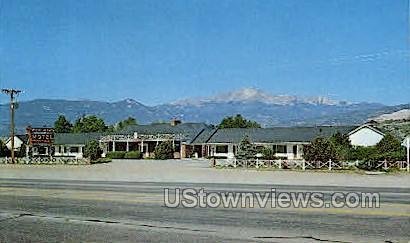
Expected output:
{"points": [[286, 142], [190, 140], [145, 138], [72, 144]]}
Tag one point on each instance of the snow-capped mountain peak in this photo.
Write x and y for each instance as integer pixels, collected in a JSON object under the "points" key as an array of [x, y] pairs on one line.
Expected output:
{"points": [[248, 95]]}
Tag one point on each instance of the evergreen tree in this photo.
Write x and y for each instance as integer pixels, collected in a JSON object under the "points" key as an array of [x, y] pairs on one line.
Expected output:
{"points": [[164, 150], [321, 149], [388, 144], [389, 148], [246, 149], [92, 150], [62, 125], [342, 145]]}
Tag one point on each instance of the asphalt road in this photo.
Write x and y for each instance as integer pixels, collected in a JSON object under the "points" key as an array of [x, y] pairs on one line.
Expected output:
{"points": [[85, 211]]}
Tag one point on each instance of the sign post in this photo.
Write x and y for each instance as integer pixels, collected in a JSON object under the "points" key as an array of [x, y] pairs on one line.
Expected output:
{"points": [[41, 137]]}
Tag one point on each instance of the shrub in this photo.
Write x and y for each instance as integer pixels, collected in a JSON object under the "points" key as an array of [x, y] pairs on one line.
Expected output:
{"points": [[321, 149], [133, 155], [116, 155], [92, 150], [101, 161], [367, 165], [388, 148], [164, 150], [268, 153], [363, 153], [342, 145]]}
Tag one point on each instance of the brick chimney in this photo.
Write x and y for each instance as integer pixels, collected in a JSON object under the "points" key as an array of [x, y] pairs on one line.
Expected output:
{"points": [[175, 122]]}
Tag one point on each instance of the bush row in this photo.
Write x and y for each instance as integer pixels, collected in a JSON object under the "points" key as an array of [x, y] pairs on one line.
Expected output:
{"points": [[124, 155]]}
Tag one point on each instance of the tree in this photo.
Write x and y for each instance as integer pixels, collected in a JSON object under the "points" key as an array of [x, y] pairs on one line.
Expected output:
{"points": [[340, 139], [164, 150], [92, 150], [246, 149], [388, 144], [238, 122], [342, 145], [3, 149], [89, 124], [389, 148], [321, 149], [130, 121], [62, 125]]}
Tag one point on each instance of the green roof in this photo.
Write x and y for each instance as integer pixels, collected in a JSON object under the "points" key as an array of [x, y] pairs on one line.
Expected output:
{"points": [[75, 138], [188, 130], [277, 134], [204, 136], [199, 133]]}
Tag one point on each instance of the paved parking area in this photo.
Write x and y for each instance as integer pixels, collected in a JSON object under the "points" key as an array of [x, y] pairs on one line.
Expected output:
{"points": [[196, 171]]}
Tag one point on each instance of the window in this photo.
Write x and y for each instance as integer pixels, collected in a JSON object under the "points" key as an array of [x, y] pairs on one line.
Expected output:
{"points": [[41, 150], [280, 149], [259, 148], [177, 146], [74, 149], [295, 149], [221, 149]]}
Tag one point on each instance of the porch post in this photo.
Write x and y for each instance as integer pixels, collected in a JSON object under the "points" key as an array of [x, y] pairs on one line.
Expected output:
{"points": [[27, 150], [113, 146], [128, 146]]}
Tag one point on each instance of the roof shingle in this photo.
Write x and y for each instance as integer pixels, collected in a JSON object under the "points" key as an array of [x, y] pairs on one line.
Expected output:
{"points": [[277, 134]]}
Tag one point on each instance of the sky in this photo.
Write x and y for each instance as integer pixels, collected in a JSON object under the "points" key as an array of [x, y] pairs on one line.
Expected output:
{"points": [[160, 51]]}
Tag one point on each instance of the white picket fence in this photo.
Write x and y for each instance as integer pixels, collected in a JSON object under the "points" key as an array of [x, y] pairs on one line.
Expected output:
{"points": [[46, 160], [304, 165]]}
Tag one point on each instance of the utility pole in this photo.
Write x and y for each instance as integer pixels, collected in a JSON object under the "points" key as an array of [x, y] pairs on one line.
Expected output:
{"points": [[12, 93]]}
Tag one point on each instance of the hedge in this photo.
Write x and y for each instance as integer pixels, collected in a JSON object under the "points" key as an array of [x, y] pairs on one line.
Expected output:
{"points": [[133, 155], [116, 155], [100, 161]]}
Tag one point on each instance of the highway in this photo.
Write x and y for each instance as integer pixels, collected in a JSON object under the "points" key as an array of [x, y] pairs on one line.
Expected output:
{"points": [[99, 211]]}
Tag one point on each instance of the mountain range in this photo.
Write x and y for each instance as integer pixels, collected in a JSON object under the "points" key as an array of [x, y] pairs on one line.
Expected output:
{"points": [[254, 104]]}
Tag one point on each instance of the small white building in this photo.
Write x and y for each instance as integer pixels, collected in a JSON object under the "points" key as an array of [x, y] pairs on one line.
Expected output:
{"points": [[72, 144], [365, 136], [19, 140]]}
